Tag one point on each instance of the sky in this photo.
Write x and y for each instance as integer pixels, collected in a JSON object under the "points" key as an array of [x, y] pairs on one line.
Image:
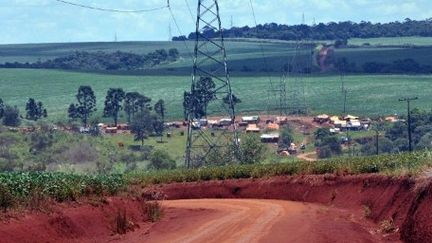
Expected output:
{"points": [[47, 21]]}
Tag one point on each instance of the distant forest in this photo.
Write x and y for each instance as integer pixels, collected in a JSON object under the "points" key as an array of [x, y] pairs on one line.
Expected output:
{"points": [[97, 61], [330, 31]]}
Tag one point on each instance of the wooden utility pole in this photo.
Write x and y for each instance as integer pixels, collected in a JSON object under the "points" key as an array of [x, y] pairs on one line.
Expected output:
{"points": [[408, 100]]}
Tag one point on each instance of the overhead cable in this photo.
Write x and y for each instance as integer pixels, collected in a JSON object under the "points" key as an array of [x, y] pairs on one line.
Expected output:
{"points": [[113, 10]]}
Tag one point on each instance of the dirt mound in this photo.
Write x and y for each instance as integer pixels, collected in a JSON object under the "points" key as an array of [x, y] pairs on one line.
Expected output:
{"points": [[75, 222]]}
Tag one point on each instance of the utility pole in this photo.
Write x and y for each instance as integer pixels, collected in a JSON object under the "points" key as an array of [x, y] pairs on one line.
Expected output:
{"points": [[408, 100], [345, 92], [376, 141], [342, 78]]}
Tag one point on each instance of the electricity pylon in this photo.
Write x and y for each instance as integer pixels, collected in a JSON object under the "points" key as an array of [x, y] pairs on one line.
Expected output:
{"points": [[210, 61]]}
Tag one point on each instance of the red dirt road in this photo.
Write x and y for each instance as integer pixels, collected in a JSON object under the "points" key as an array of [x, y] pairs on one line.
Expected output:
{"points": [[247, 220]]}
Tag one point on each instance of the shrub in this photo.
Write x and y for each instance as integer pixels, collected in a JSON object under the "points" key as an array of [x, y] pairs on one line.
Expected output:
{"points": [[160, 159], [80, 153], [286, 138], [6, 198], [122, 223], [11, 116], [154, 210], [324, 152], [387, 226], [252, 150]]}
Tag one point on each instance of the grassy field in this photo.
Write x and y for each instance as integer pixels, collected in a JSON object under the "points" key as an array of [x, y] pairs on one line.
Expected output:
{"points": [[395, 41], [368, 94], [242, 55]]}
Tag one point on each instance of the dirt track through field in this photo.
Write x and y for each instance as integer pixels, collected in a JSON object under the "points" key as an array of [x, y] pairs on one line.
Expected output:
{"points": [[246, 220]]}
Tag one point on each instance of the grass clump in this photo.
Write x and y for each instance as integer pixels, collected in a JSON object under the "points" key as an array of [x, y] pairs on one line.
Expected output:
{"points": [[7, 200], [154, 210], [387, 226]]}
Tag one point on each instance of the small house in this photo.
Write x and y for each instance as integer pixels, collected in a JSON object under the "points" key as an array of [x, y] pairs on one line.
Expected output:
{"points": [[273, 126], [334, 119], [270, 138], [251, 119], [350, 118], [111, 130], [203, 122], [354, 125], [322, 118], [391, 119], [225, 122], [253, 128], [123, 127], [212, 123], [281, 120]]}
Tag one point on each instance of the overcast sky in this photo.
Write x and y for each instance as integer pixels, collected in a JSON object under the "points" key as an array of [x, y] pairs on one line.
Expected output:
{"points": [[35, 21]]}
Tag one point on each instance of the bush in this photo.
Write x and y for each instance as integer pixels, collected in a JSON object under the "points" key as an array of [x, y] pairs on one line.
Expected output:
{"points": [[252, 150], [286, 138], [154, 210], [11, 116], [160, 159], [80, 153], [324, 152], [6, 198], [220, 156]]}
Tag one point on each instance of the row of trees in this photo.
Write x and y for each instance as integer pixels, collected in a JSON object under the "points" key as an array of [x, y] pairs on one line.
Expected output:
{"points": [[407, 65], [10, 115], [103, 61], [321, 31], [395, 139], [137, 107]]}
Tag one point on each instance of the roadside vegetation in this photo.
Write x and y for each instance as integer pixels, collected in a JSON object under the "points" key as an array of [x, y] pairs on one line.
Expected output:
{"points": [[18, 188]]}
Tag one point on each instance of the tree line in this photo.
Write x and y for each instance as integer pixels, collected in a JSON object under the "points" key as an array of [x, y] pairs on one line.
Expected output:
{"points": [[143, 118], [323, 31], [395, 139], [82, 60], [10, 115], [143, 122], [407, 66]]}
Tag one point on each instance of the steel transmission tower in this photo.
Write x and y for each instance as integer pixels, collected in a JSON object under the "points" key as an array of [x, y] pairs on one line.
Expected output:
{"points": [[291, 88], [209, 61]]}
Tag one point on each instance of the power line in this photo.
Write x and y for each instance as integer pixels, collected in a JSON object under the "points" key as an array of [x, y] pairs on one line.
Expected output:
{"points": [[113, 10], [265, 61], [179, 30], [190, 11]]}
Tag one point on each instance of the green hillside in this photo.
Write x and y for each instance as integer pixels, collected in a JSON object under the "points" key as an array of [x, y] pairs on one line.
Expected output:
{"points": [[244, 56]]}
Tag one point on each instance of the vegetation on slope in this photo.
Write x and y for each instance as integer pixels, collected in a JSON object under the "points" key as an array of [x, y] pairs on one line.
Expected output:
{"points": [[19, 188], [102, 61]]}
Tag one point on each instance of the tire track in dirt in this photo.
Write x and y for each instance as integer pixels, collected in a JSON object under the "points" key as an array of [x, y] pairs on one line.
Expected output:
{"points": [[247, 220]]}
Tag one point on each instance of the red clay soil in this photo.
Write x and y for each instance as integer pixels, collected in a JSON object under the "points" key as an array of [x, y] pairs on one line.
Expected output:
{"points": [[323, 208], [380, 198], [75, 222], [257, 220]]}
